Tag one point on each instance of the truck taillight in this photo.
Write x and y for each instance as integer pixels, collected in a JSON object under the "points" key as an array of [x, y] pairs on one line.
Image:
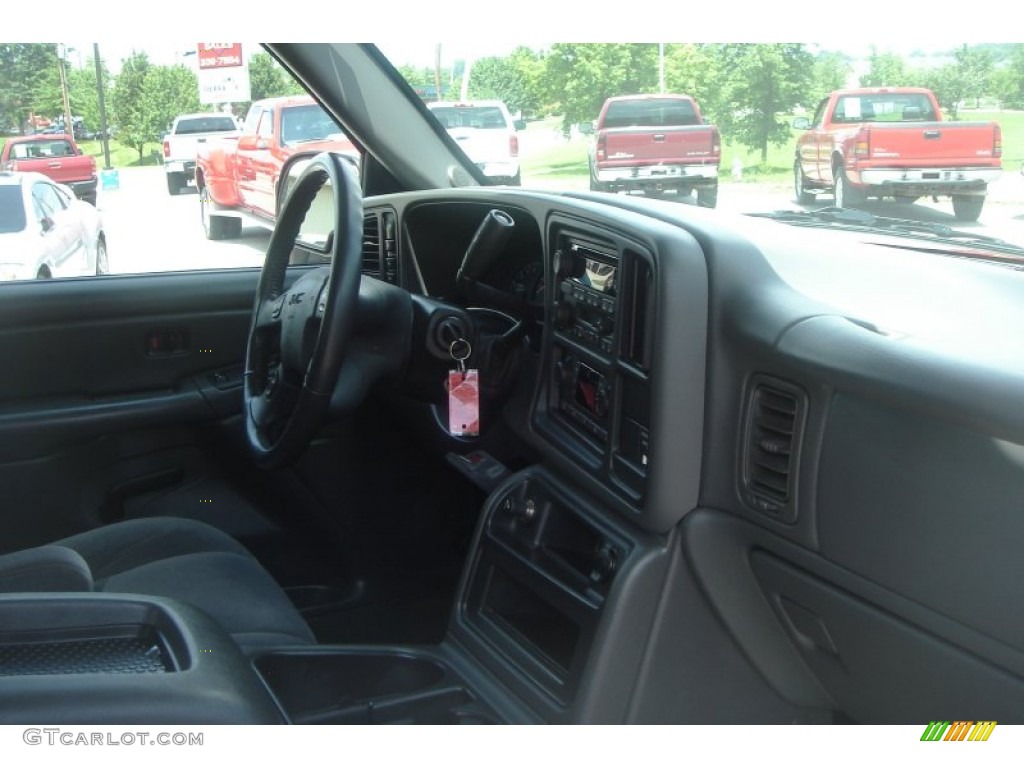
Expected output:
{"points": [[601, 147], [716, 142], [997, 149], [513, 145], [167, 149], [862, 148]]}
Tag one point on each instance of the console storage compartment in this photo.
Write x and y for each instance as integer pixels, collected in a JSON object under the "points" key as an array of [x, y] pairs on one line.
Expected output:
{"points": [[535, 591], [350, 686]]}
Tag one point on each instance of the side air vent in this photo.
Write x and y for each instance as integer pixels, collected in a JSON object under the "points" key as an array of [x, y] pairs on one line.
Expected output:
{"points": [[390, 247], [771, 447], [371, 245], [380, 246]]}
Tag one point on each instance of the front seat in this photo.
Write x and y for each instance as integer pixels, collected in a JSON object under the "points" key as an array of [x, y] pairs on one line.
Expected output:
{"points": [[185, 560]]}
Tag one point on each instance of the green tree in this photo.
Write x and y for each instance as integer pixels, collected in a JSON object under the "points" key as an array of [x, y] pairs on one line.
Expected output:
{"points": [[689, 69], [831, 72], [268, 79], [884, 69], [29, 82], [968, 77], [760, 82], [83, 93], [515, 79], [580, 76], [1008, 79], [128, 103], [168, 92]]}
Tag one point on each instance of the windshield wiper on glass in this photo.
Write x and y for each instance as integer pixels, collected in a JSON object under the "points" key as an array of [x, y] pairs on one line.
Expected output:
{"points": [[863, 221]]}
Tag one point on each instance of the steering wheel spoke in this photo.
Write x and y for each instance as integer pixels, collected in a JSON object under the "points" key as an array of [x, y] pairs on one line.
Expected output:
{"points": [[268, 313], [298, 336]]}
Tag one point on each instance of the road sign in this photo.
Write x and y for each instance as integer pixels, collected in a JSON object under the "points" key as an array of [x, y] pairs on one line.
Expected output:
{"points": [[223, 73], [219, 55]]}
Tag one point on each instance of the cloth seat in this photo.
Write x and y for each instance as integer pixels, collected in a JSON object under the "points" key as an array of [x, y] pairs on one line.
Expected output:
{"points": [[175, 558]]}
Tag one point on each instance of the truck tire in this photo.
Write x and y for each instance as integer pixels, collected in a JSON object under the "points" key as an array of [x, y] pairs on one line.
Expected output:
{"points": [[217, 227], [968, 207], [90, 198], [847, 196], [803, 196], [175, 181], [707, 197]]}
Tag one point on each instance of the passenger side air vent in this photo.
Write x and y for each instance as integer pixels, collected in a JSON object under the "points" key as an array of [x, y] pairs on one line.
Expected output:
{"points": [[771, 448], [380, 246]]}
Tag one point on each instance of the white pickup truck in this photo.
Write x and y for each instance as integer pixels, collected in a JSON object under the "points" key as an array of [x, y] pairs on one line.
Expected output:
{"points": [[181, 144]]}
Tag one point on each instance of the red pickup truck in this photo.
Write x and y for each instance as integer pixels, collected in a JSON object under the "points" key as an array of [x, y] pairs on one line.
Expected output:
{"points": [[654, 143], [54, 155], [892, 143], [239, 178]]}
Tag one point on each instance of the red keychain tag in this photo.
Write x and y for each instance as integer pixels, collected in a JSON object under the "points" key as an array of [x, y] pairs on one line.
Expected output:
{"points": [[464, 403]]}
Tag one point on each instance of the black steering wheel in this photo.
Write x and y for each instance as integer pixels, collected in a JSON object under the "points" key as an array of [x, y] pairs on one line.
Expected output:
{"points": [[298, 337]]}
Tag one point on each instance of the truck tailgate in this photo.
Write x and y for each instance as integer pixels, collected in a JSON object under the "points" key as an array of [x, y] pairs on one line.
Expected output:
{"points": [[934, 144], [692, 144]]}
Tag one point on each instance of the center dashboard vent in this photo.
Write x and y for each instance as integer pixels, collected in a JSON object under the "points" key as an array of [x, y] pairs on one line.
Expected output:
{"points": [[772, 435], [380, 246]]}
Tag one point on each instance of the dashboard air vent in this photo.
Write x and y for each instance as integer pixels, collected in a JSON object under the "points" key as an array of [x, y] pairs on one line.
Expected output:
{"points": [[371, 245], [771, 447], [380, 246]]}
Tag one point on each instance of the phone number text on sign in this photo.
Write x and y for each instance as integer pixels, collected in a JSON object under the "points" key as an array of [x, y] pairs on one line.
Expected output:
{"points": [[215, 55]]}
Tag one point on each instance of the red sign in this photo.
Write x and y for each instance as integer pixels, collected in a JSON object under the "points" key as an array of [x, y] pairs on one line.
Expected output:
{"points": [[217, 55]]}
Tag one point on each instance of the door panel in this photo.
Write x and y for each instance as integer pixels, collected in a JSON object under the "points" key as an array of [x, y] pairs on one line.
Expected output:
{"points": [[100, 372]]}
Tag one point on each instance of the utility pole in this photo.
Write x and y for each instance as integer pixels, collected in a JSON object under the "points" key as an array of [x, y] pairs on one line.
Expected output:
{"points": [[103, 108], [661, 67], [69, 126], [437, 73]]}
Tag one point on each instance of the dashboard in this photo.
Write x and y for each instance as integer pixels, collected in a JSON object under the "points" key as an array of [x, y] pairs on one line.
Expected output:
{"points": [[749, 395]]}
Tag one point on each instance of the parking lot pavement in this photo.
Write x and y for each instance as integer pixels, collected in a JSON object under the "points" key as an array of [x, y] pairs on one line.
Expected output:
{"points": [[148, 230]]}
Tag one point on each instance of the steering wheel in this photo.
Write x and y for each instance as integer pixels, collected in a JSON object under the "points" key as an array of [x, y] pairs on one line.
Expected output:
{"points": [[298, 337]]}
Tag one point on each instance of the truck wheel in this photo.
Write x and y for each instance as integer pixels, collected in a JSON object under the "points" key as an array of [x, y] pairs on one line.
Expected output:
{"points": [[175, 182], [847, 196], [968, 207], [802, 195], [217, 227], [707, 197]]}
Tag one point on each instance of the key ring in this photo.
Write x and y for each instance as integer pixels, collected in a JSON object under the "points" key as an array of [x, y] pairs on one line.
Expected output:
{"points": [[460, 350]]}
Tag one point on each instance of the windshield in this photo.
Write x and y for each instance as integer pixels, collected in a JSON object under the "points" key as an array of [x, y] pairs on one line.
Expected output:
{"points": [[895, 130], [306, 123], [205, 124], [470, 117]]}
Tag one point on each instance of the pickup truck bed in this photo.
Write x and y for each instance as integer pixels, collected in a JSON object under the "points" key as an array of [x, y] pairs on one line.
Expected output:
{"points": [[655, 143], [56, 156], [895, 145]]}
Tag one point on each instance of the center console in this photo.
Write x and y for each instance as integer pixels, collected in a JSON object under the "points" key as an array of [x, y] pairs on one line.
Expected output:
{"points": [[595, 403]]}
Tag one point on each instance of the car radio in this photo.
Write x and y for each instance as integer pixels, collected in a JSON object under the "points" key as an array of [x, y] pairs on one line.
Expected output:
{"points": [[586, 297]]}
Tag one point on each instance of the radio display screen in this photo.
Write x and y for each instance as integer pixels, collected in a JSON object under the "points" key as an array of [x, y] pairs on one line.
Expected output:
{"points": [[595, 273]]}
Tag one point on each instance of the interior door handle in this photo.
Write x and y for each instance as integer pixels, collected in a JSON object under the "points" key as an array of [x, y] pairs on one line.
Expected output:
{"points": [[166, 343]]}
